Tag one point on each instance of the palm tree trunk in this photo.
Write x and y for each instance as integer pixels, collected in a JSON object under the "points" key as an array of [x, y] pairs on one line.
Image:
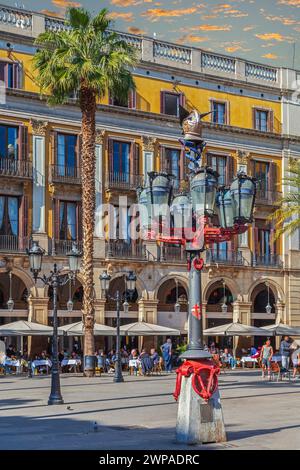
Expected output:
{"points": [[88, 163]]}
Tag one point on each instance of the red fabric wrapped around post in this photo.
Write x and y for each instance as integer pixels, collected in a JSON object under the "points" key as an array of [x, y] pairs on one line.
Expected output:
{"points": [[204, 378]]}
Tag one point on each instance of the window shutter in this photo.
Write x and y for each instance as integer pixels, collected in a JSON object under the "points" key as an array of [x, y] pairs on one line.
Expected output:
{"points": [[23, 143], [208, 160], [132, 99], [182, 99], [162, 102], [56, 219], [110, 156], [163, 162], [270, 121], [272, 177], [136, 159], [79, 221], [254, 123], [78, 152], [229, 169], [255, 241], [23, 218], [53, 143]]}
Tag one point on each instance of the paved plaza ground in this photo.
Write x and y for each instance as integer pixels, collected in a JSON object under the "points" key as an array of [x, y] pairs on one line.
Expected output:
{"points": [[141, 413]]}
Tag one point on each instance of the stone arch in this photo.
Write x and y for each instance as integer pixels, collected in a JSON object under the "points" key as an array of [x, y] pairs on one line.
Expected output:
{"points": [[215, 296], [180, 277], [140, 284], [230, 284], [277, 290], [19, 288]]}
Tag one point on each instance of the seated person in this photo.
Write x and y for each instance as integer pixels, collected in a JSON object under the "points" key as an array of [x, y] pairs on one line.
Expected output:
{"points": [[154, 356], [11, 352], [227, 358], [253, 351], [101, 360], [296, 362], [146, 362], [133, 360]]}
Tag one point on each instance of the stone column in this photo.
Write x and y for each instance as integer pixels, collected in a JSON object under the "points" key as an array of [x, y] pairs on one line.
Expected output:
{"points": [[148, 313], [99, 318], [99, 241], [39, 129], [38, 313], [242, 313], [148, 154]]}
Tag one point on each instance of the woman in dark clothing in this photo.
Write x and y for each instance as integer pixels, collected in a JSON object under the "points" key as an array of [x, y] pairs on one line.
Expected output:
{"points": [[146, 362]]}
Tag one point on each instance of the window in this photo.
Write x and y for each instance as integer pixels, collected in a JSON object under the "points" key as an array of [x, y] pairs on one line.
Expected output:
{"points": [[223, 165], [262, 120], [219, 112], [261, 173], [170, 103], [130, 102], [10, 74], [264, 245], [9, 215], [121, 158], [68, 220], [171, 164], [9, 142], [66, 154]]}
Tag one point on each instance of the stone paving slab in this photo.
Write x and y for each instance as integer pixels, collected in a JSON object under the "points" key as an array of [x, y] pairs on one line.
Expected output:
{"points": [[141, 413]]}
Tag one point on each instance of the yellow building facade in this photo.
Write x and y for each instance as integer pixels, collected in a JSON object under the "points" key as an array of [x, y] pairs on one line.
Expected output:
{"points": [[40, 182]]}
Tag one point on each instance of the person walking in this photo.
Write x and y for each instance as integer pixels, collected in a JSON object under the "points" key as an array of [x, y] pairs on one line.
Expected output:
{"points": [[285, 352], [266, 355], [166, 350], [296, 361]]}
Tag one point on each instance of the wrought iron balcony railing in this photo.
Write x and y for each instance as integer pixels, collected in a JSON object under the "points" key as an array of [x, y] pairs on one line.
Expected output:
{"points": [[125, 181], [232, 258], [13, 244], [267, 197], [121, 249], [64, 174], [270, 260], [15, 168], [172, 254], [62, 247]]}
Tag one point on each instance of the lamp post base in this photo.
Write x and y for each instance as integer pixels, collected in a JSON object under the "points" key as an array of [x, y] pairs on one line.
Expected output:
{"points": [[118, 379], [194, 354], [55, 400], [198, 421]]}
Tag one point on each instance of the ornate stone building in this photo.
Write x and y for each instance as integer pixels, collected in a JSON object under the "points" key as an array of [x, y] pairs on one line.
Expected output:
{"points": [[40, 192]]}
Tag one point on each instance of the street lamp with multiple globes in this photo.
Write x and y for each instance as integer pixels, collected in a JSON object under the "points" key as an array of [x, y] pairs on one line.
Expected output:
{"points": [[233, 206], [55, 279], [130, 284]]}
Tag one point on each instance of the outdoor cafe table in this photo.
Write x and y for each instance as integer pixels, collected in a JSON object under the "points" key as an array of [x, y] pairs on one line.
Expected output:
{"points": [[41, 362], [245, 359], [71, 362], [13, 363]]}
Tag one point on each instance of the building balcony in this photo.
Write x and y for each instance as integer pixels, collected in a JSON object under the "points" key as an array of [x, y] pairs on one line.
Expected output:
{"points": [[268, 260], [172, 254], [120, 249], [225, 257], [13, 244], [15, 168], [62, 247], [64, 174], [124, 181], [267, 198]]}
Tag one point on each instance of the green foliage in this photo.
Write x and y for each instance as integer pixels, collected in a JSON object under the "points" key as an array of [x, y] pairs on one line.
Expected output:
{"points": [[287, 216], [86, 56]]}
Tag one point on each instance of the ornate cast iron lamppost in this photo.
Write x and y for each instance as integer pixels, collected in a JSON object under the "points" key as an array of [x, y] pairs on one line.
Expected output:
{"points": [[56, 279], [130, 283], [200, 416]]}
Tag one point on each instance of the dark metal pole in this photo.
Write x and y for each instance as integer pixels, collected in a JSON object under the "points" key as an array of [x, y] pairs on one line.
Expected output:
{"points": [[55, 397], [195, 333], [118, 377]]}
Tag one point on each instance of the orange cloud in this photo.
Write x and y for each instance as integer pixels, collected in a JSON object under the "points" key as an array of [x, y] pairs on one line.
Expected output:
{"points": [[65, 4], [191, 38], [211, 27], [249, 27], [135, 30], [121, 16], [124, 3], [272, 36], [50, 13], [293, 3], [287, 21], [270, 56], [155, 13]]}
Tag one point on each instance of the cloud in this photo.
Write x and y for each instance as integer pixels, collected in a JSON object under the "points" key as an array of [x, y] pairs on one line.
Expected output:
{"points": [[191, 38], [135, 30], [235, 46], [211, 27], [270, 56], [153, 14], [292, 3], [121, 16], [124, 3], [249, 27], [227, 10], [47, 12], [65, 4], [272, 36], [287, 21]]}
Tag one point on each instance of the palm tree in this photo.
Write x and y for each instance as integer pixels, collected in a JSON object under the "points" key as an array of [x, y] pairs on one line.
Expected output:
{"points": [[287, 216], [86, 59]]}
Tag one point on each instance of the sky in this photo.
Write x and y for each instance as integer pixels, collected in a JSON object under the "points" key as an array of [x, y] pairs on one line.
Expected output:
{"points": [[266, 31]]}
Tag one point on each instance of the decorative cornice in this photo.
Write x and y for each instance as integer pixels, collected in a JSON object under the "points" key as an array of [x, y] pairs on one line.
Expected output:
{"points": [[39, 127], [148, 143], [99, 137], [243, 157]]}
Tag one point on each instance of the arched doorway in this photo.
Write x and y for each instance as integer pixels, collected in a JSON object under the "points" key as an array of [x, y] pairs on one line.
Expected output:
{"points": [[217, 295], [119, 284], [171, 292], [261, 295], [20, 310]]}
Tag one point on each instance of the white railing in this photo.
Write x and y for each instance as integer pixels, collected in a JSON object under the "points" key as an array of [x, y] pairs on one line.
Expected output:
{"points": [[15, 17], [55, 24], [134, 41], [261, 72], [217, 62], [172, 52]]}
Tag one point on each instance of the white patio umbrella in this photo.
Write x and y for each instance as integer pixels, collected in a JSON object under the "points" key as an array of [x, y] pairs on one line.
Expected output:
{"points": [[147, 329], [25, 328], [280, 329], [236, 329], [77, 329]]}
